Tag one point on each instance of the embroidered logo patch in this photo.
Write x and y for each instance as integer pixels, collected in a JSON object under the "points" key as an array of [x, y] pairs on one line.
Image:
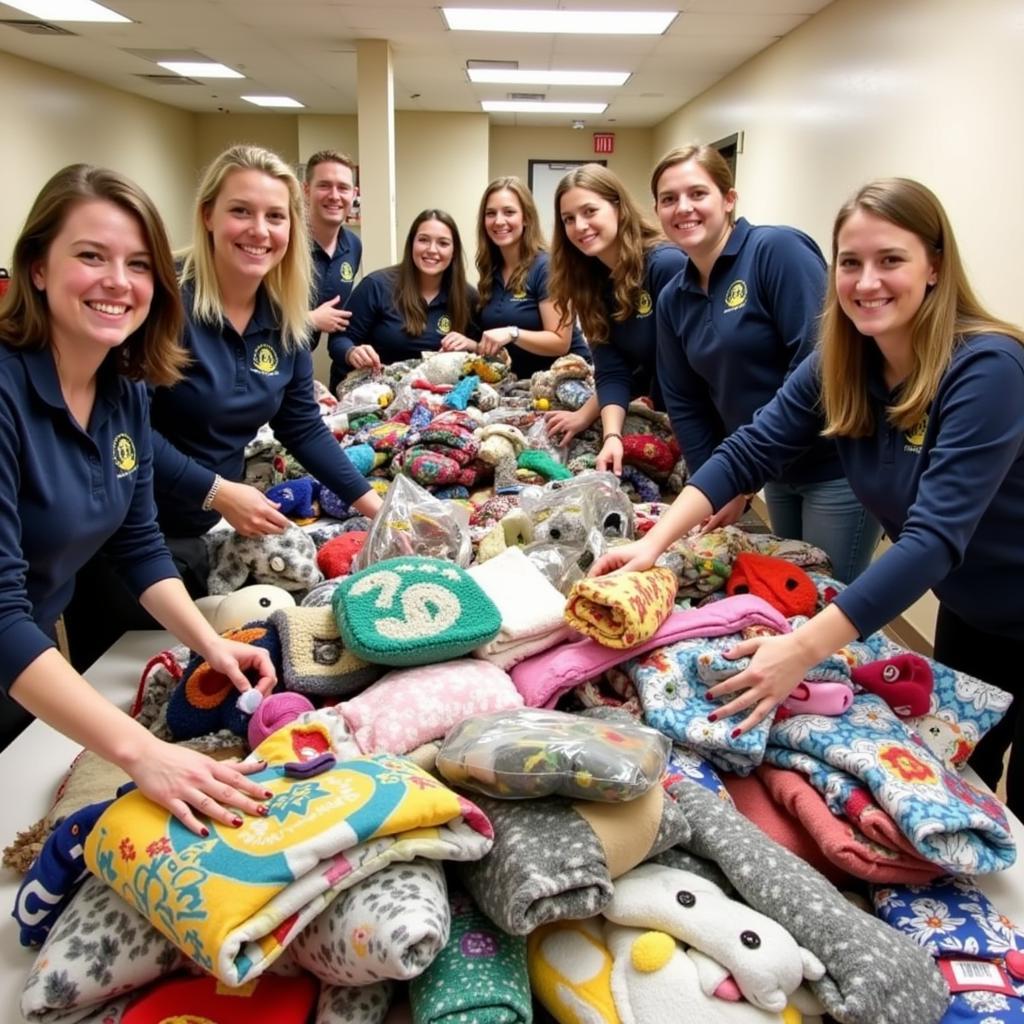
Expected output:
{"points": [[644, 305], [347, 272], [519, 295], [736, 296], [914, 437], [125, 457], [444, 325], [264, 359]]}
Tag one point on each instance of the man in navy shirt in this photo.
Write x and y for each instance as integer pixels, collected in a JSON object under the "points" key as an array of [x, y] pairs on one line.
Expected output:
{"points": [[331, 191]]}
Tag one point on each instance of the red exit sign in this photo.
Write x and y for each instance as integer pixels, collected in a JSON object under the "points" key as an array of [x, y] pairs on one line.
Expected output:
{"points": [[604, 142]]}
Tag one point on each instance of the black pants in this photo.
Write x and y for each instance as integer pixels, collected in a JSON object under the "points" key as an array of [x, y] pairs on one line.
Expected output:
{"points": [[998, 660], [103, 608]]}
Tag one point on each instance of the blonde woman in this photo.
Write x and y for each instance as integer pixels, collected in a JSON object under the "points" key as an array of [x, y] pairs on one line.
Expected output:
{"points": [[922, 390], [608, 266]]}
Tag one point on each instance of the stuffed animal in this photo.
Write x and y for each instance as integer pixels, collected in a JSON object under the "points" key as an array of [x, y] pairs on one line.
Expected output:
{"points": [[286, 559], [250, 604]]}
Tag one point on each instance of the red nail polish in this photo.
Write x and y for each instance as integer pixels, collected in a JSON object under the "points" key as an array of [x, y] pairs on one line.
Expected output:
{"points": [[267, 795], [263, 810], [237, 822], [734, 734], [713, 717], [204, 832]]}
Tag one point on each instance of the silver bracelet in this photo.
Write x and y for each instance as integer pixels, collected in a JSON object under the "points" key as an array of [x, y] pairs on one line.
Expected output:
{"points": [[211, 494]]}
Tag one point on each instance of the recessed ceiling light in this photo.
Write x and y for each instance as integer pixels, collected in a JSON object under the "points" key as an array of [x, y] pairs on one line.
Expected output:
{"points": [[540, 107], [67, 10], [200, 69], [273, 101], [490, 19], [490, 75]]}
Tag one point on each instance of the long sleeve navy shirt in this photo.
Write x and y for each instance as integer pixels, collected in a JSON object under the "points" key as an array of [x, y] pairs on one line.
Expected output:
{"points": [[624, 365], [949, 493], [334, 275], [724, 353], [234, 384], [66, 493], [522, 309]]}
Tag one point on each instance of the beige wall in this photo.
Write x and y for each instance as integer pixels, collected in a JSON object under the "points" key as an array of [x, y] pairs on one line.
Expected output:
{"points": [[929, 89], [216, 132], [319, 131], [49, 119], [513, 148]]}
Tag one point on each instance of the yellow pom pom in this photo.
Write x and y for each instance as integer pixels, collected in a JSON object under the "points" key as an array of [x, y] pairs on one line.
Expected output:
{"points": [[541, 403], [652, 951]]}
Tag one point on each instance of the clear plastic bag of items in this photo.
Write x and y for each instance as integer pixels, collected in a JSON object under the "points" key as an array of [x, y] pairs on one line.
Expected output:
{"points": [[413, 522], [573, 520], [532, 752]]}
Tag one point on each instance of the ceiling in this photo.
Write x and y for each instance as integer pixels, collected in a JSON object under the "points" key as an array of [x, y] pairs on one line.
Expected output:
{"points": [[306, 49]]}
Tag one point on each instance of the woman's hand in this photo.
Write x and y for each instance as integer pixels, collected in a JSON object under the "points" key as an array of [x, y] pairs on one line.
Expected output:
{"points": [[636, 556], [610, 455], [231, 659], [363, 357], [728, 514], [455, 342], [778, 664], [248, 510], [187, 782], [493, 341], [566, 425], [328, 317]]}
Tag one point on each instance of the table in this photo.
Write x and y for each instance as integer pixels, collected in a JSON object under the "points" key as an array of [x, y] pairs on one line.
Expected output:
{"points": [[35, 761]]}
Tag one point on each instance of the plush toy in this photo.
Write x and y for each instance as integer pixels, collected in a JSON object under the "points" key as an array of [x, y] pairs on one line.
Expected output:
{"points": [[764, 959], [250, 604], [335, 557], [286, 559], [295, 497], [783, 585], [904, 682]]}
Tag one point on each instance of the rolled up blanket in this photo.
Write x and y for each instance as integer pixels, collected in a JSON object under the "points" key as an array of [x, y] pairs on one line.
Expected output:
{"points": [[624, 609]]}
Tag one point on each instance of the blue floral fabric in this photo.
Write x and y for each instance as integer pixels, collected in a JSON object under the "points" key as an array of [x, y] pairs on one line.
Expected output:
{"points": [[683, 763]]}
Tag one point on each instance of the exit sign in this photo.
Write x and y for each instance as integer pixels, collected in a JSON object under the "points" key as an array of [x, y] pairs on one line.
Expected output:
{"points": [[604, 142]]}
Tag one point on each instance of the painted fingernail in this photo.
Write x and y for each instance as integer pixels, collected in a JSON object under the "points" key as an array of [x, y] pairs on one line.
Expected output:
{"points": [[263, 810], [713, 717], [237, 822], [267, 795], [734, 734], [204, 832]]}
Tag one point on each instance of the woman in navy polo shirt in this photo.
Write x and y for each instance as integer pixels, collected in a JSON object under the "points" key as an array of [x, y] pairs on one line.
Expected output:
{"points": [[516, 313], [92, 309], [922, 390], [608, 266], [731, 328], [401, 312]]}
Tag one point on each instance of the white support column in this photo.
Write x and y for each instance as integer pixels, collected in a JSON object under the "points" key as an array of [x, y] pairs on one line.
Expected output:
{"points": [[376, 110]]}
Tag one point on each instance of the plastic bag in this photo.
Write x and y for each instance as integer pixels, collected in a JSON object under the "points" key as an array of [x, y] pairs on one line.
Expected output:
{"points": [[413, 522], [531, 752]]}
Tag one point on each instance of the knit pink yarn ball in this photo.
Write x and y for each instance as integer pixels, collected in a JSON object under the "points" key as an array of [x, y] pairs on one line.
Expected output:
{"points": [[276, 711]]}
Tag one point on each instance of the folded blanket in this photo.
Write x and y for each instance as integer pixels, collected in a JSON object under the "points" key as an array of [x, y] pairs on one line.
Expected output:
{"points": [[234, 900], [949, 823], [367, 1004], [554, 859], [480, 975], [874, 975], [544, 678], [530, 608], [624, 609], [389, 926]]}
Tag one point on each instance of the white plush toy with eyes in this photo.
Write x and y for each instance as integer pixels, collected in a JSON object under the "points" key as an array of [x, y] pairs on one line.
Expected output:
{"points": [[250, 604]]}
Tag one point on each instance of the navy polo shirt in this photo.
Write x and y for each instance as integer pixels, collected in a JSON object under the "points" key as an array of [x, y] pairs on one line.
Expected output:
{"points": [[377, 321], [66, 493], [949, 493], [624, 365], [522, 309], [335, 275], [234, 384], [725, 353]]}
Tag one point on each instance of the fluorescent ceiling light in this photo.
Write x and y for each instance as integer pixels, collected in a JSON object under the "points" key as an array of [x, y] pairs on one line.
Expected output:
{"points": [[540, 107], [67, 10], [273, 101], [200, 69], [493, 75], [489, 19]]}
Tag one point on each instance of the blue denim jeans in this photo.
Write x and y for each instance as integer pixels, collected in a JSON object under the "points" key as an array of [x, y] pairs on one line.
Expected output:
{"points": [[828, 515]]}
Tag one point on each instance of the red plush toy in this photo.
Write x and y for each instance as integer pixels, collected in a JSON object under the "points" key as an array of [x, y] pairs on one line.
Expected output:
{"points": [[650, 454], [786, 587], [904, 682], [335, 557]]}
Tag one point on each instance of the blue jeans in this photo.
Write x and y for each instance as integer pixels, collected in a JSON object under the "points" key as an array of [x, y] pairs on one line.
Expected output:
{"points": [[828, 515]]}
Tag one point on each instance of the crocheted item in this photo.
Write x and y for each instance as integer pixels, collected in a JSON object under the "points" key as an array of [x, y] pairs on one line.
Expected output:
{"points": [[459, 396], [296, 497], [286, 560], [782, 584], [514, 530], [543, 465], [275, 712], [637, 483], [413, 611], [363, 457], [320, 596], [204, 700], [314, 658], [650, 454], [573, 394], [335, 557], [624, 609]]}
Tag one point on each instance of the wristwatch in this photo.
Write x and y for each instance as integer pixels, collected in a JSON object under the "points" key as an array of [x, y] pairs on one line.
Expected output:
{"points": [[513, 334]]}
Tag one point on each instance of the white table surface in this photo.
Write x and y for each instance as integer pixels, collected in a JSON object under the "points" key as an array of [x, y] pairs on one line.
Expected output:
{"points": [[34, 763]]}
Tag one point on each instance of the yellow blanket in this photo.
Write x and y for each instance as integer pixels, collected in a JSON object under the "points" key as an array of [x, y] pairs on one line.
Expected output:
{"points": [[624, 609]]}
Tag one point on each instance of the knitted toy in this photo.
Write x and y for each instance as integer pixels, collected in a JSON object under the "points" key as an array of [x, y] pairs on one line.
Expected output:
{"points": [[650, 454], [449, 367], [232, 611], [363, 457], [287, 560], [638, 483], [763, 958], [413, 611], [514, 530], [501, 446], [573, 394], [783, 585], [320, 596], [459, 396], [904, 682], [205, 700], [275, 712], [295, 498], [315, 660], [335, 557], [332, 505], [543, 464], [624, 609]]}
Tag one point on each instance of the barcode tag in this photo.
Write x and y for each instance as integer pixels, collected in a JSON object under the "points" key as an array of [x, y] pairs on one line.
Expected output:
{"points": [[975, 976]]}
